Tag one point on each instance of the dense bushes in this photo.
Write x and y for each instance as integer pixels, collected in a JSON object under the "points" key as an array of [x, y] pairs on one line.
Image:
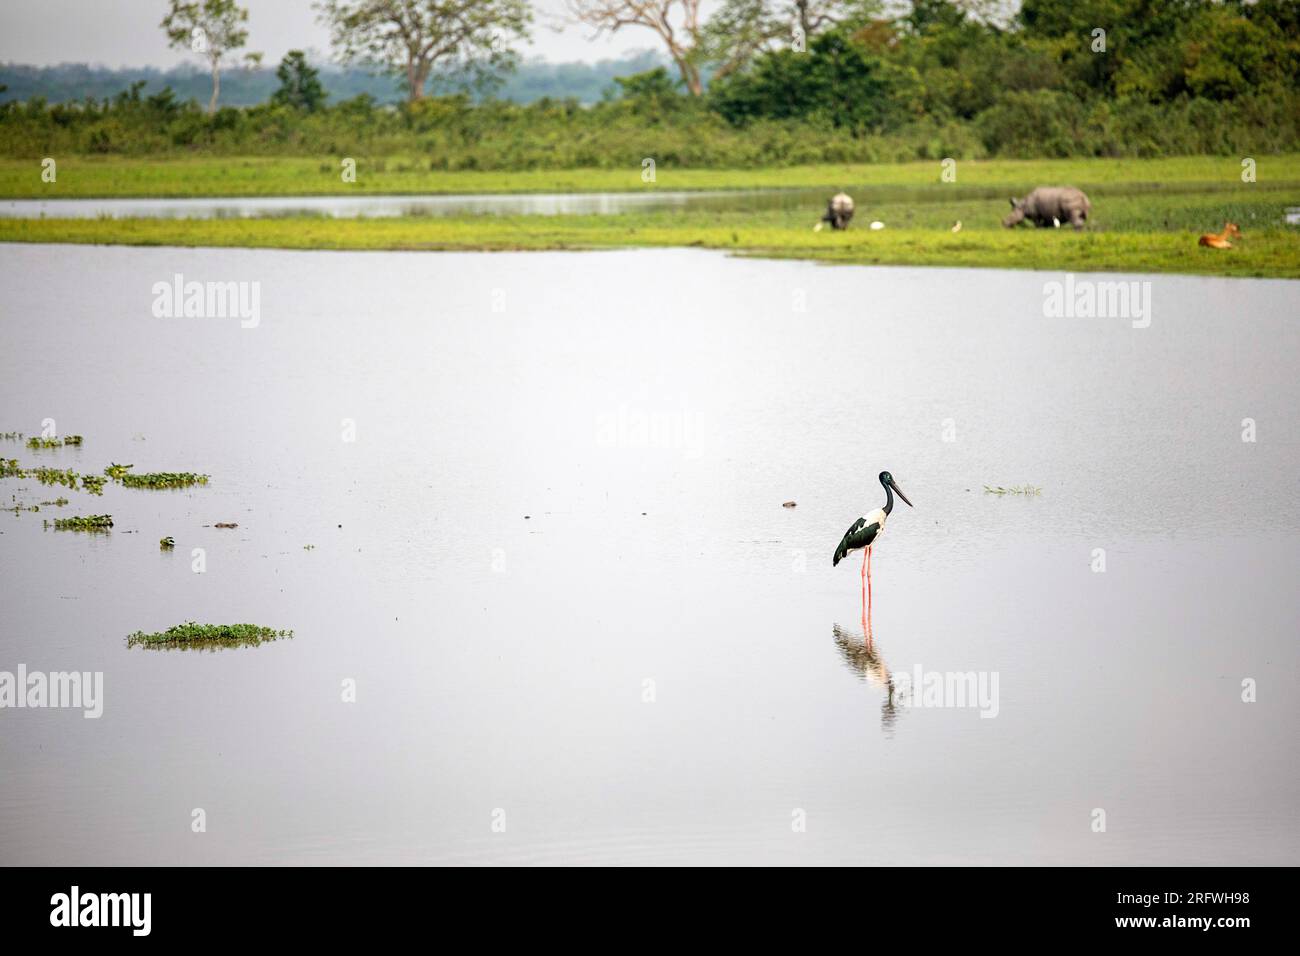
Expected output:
{"points": [[1049, 123], [451, 133], [836, 83]]}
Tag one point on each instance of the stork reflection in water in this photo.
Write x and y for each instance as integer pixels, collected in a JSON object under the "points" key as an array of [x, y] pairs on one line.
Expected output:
{"points": [[862, 656]]}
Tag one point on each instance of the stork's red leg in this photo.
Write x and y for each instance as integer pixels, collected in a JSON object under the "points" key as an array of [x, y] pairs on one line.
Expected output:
{"points": [[868, 588], [864, 581]]}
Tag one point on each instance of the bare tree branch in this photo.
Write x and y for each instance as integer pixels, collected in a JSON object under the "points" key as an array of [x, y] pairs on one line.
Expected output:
{"points": [[665, 17]]}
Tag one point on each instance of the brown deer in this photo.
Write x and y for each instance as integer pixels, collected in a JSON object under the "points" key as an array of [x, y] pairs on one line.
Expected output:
{"points": [[1219, 240]]}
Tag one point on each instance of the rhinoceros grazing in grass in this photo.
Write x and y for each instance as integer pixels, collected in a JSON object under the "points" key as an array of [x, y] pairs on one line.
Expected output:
{"points": [[1050, 206], [838, 212]]}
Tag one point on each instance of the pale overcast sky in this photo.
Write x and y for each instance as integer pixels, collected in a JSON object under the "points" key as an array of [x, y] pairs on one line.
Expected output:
{"points": [[126, 33]]}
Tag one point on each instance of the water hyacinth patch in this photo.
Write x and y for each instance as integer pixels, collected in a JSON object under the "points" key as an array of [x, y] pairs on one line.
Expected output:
{"points": [[53, 442], [53, 476], [163, 479], [116, 471], [93, 484], [167, 543], [1027, 490], [84, 523], [207, 636]]}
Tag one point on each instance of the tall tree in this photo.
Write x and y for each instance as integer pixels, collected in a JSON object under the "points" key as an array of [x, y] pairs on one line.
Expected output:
{"points": [[299, 83], [741, 29], [212, 29], [411, 37], [677, 23]]}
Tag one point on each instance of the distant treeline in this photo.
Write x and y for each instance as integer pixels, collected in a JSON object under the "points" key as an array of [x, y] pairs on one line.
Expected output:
{"points": [[531, 80], [1165, 77]]}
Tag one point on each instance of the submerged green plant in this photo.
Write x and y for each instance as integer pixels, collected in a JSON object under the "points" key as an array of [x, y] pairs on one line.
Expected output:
{"points": [[163, 479], [84, 523], [167, 543], [207, 636], [1028, 490]]}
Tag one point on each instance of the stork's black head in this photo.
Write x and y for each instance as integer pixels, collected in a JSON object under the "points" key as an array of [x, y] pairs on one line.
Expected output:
{"points": [[887, 480]]}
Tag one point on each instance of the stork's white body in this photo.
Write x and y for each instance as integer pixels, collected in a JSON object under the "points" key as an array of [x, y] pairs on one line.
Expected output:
{"points": [[873, 517], [862, 534]]}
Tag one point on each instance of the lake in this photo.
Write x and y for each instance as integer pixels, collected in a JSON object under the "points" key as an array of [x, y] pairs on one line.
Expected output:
{"points": [[526, 509]]}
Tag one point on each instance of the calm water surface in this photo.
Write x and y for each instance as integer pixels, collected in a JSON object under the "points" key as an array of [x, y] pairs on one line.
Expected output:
{"points": [[383, 207], [555, 563]]}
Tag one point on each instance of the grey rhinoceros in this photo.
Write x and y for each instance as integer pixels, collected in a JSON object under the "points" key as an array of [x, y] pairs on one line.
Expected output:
{"points": [[838, 212], [1050, 206]]}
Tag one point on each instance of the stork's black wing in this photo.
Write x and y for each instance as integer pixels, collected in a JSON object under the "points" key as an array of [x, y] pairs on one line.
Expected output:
{"points": [[859, 535]]}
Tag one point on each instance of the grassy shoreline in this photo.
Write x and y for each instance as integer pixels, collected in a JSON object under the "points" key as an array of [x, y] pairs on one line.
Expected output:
{"points": [[209, 176], [1147, 214], [1271, 254]]}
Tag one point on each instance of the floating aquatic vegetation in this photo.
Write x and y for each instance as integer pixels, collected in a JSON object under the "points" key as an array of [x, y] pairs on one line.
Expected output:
{"points": [[225, 524], [56, 503], [53, 442], [53, 476], [207, 636], [1027, 490], [167, 543], [162, 479], [11, 436], [18, 509], [116, 471], [93, 484], [84, 523]]}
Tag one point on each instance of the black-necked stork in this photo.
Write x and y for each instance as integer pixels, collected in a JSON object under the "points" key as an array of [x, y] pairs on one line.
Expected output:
{"points": [[864, 532]]}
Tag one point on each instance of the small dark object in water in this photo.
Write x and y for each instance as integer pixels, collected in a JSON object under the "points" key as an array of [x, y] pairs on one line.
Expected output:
{"points": [[225, 524], [787, 504]]}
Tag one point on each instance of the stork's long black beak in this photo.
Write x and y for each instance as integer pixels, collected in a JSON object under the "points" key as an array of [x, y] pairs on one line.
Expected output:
{"points": [[900, 493]]}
